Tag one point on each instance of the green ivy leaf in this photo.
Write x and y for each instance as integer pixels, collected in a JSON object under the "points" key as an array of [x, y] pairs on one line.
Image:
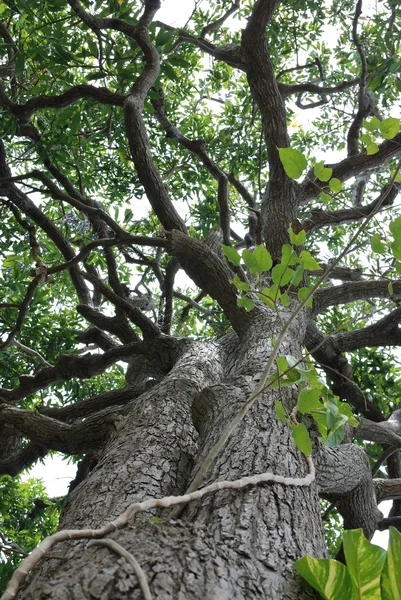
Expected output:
{"points": [[302, 293], [309, 262], [293, 161], [389, 128], [298, 275], [335, 185], [285, 300], [372, 125], [281, 274], [345, 409], [331, 411], [240, 285], [251, 261], [308, 400], [280, 412], [246, 303], [231, 254], [329, 578], [263, 258], [321, 172], [300, 435], [377, 245], [372, 149]]}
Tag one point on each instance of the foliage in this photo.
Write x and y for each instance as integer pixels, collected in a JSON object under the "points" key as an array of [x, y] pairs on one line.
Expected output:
{"points": [[163, 185], [370, 571], [26, 517]]}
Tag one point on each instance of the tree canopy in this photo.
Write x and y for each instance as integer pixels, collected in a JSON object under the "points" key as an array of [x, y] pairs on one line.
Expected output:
{"points": [[190, 204]]}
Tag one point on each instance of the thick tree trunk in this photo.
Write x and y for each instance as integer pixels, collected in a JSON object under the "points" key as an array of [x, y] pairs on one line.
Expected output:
{"points": [[233, 544]]}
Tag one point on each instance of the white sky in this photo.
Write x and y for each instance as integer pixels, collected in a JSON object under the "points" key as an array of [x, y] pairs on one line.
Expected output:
{"points": [[56, 473]]}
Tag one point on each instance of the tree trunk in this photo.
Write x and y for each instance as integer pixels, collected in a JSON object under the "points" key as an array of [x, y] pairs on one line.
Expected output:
{"points": [[232, 544]]}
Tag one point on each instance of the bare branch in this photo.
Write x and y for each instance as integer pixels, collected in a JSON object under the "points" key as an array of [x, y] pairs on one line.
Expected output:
{"points": [[385, 332], [13, 465], [323, 218], [357, 290], [218, 22], [52, 434]]}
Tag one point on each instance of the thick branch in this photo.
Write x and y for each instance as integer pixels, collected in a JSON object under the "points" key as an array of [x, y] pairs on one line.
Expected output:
{"points": [[23, 112], [351, 291], [52, 434], [82, 367], [279, 203], [23, 459], [210, 274], [385, 332]]}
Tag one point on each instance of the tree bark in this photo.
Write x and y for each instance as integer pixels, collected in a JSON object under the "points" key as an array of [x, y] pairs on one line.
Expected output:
{"points": [[233, 544]]}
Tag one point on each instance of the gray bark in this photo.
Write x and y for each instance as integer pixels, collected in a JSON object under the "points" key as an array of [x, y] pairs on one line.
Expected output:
{"points": [[233, 544]]}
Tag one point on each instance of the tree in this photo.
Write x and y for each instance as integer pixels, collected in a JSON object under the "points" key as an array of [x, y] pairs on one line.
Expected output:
{"points": [[133, 152]]}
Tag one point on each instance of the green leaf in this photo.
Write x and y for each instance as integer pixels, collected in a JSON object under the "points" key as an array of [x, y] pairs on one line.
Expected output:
{"points": [[263, 258], [390, 579], [345, 409], [309, 262], [308, 400], [240, 285], [377, 245], [288, 256], [396, 249], [389, 128], [331, 411], [335, 185], [298, 239], [390, 289], [321, 172], [372, 125], [232, 254], [293, 161], [285, 299], [301, 438], [395, 228], [246, 303], [251, 261], [372, 149], [281, 274], [364, 563], [335, 437], [298, 275], [325, 197], [329, 578], [280, 412], [302, 293]]}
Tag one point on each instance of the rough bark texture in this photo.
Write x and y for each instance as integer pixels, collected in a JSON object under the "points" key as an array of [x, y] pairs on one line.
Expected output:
{"points": [[231, 545]]}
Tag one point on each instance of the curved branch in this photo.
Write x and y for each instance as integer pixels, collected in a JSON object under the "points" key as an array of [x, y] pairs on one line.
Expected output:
{"points": [[21, 460], [28, 208], [210, 274], [82, 367], [351, 291], [23, 112], [385, 332], [54, 435], [350, 167], [323, 218]]}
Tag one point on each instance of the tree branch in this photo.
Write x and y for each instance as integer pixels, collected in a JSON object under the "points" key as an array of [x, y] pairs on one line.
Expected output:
{"points": [[350, 167], [323, 218], [351, 291]]}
